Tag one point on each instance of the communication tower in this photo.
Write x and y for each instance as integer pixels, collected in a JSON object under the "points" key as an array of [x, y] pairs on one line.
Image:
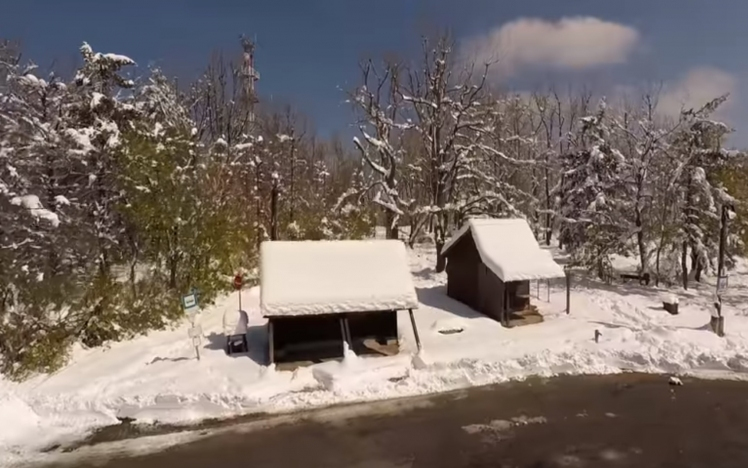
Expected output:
{"points": [[249, 77]]}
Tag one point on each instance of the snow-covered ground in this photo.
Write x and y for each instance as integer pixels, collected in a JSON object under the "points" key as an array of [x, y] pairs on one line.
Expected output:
{"points": [[157, 378]]}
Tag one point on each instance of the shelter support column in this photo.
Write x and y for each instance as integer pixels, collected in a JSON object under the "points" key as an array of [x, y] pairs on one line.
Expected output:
{"points": [[347, 329], [415, 329], [505, 308], [345, 332], [271, 344]]}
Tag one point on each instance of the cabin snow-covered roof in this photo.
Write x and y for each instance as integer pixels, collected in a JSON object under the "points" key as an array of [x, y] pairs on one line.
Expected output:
{"points": [[330, 277], [509, 249]]}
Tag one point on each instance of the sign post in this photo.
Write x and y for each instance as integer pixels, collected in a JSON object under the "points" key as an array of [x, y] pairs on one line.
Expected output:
{"points": [[191, 308], [722, 283], [238, 286], [195, 333]]}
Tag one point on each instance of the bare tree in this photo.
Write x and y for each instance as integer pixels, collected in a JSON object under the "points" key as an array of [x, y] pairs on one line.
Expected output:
{"points": [[379, 101], [447, 107]]}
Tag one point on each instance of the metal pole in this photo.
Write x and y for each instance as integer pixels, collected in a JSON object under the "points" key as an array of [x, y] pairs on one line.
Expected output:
{"points": [[195, 340], [240, 299], [721, 269], [722, 242]]}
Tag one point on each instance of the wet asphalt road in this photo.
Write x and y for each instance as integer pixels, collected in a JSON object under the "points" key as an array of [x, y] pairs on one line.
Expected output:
{"points": [[615, 421]]}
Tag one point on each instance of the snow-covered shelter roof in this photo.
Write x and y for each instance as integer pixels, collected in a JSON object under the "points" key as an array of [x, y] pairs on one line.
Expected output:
{"points": [[330, 277], [509, 249]]}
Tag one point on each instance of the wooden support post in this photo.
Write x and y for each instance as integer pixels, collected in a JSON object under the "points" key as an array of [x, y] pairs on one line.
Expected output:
{"points": [[344, 335], [271, 344], [505, 311], [347, 326], [415, 329]]}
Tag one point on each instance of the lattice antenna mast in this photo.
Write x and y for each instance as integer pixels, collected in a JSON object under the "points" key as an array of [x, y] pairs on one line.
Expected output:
{"points": [[249, 77]]}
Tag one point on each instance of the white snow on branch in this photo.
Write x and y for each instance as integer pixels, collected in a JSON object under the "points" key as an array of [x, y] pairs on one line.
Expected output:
{"points": [[35, 207], [82, 138], [121, 60]]}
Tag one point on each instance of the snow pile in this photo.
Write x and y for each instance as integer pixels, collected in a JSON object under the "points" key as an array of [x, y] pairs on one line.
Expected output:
{"points": [[157, 377], [18, 418]]}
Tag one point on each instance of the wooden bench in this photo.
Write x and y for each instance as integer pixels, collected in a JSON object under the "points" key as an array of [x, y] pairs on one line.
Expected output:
{"points": [[643, 278]]}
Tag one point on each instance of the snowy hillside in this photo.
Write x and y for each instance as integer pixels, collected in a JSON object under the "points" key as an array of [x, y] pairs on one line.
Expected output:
{"points": [[157, 378]]}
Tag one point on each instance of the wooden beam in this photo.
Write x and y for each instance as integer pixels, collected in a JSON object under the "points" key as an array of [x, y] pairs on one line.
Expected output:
{"points": [[271, 344], [349, 338], [505, 309], [415, 329], [343, 334]]}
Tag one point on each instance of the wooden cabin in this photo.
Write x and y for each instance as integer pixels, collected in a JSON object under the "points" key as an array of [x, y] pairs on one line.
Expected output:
{"points": [[320, 296], [490, 263]]}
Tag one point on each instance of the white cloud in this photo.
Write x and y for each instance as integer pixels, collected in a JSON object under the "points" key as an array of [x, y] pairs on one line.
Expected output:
{"points": [[697, 87], [574, 43]]}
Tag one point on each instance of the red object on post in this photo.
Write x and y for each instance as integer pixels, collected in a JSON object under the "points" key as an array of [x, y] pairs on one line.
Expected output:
{"points": [[238, 286]]}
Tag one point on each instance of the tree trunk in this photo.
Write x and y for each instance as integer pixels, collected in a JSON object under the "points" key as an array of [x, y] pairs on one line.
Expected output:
{"points": [[258, 208], [391, 228], [697, 265], [601, 266], [274, 211], [441, 260], [173, 273], [292, 197], [657, 270], [640, 242], [684, 264], [548, 217]]}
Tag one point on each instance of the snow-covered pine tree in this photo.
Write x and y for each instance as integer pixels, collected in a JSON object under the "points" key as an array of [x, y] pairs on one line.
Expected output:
{"points": [[592, 196], [96, 115], [37, 221], [699, 153], [95, 120]]}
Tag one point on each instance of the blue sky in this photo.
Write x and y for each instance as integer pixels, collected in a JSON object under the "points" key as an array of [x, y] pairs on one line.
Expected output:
{"points": [[309, 49]]}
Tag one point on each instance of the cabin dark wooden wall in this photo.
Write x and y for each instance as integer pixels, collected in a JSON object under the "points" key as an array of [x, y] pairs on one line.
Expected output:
{"points": [[463, 272], [491, 293], [320, 337], [307, 338], [471, 282]]}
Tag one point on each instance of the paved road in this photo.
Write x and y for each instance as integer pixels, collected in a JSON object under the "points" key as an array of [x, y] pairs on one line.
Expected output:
{"points": [[618, 421]]}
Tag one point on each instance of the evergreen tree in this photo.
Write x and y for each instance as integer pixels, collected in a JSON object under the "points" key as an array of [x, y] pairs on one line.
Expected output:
{"points": [[593, 196]]}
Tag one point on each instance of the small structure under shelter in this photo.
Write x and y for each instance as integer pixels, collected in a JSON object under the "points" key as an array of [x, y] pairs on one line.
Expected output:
{"points": [[321, 296], [490, 263]]}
